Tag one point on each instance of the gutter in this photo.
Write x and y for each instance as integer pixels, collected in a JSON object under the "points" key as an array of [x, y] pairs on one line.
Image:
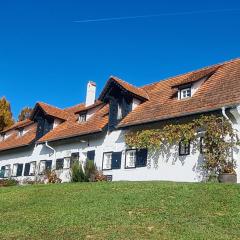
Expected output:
{"points": [[224, 113], [124, 126], [54, 151]]}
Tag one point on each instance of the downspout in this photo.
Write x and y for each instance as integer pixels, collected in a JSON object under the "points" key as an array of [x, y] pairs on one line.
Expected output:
{"points": [[225, 115], [54, 151]]}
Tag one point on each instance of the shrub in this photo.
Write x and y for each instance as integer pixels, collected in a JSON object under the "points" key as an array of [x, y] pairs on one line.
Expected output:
{"points": [[77, 173], [52, 177], [8, 182], [90, 170], [99, 177]]}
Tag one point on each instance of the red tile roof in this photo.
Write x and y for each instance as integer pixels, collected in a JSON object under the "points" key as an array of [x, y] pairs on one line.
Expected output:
{"points": [[52, 111], [15, 141], [81, 107], [222, 88], [72, 128], [138, 92], [20, 124]]}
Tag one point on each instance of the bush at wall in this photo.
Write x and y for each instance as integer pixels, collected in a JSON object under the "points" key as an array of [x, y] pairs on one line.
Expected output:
{"points": [[77, 173], [90, 170], [8, 182]]}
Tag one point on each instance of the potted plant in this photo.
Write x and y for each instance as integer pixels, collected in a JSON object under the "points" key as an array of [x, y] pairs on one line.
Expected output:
{"points": [[228, 174]]}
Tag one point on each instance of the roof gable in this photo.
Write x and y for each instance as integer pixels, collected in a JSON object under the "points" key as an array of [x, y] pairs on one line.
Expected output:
{"points": [[124, 86]]}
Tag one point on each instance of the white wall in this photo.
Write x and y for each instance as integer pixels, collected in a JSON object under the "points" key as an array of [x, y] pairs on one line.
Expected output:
{"points": [[167, 166]]}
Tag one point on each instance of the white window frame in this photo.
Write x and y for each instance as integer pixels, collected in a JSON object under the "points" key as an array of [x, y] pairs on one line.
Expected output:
{"points": [[107, 161], [185, 93], [3, 135], [130, 159], [82, 118], [42, 166], [20, 132], [14, 170], [7, 172], [119, 112], [32, 169], [66, 162]]}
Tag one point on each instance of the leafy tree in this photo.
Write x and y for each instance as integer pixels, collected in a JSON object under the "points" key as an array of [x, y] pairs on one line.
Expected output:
{"points": [[6, 118], [24, 114]]}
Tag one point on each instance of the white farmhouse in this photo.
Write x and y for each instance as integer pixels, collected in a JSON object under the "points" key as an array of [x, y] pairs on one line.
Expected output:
{"points": [[53, 138]]}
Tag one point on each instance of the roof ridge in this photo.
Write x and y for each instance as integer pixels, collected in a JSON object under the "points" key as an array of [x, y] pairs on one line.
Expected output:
{"points": [[192, 71], [50, 105]]}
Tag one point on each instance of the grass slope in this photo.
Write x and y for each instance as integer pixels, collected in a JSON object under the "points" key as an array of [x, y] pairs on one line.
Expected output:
{"points": [[124, 210]]}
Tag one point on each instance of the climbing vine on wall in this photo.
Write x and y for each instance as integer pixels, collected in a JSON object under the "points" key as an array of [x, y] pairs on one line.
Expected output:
{"points": [[219, 138]]}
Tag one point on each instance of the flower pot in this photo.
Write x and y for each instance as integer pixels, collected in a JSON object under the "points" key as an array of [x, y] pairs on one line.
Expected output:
{"points": [[227, 178]]}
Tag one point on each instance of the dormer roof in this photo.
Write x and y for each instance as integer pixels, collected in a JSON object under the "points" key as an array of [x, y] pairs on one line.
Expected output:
{"points": [[135, 91]]}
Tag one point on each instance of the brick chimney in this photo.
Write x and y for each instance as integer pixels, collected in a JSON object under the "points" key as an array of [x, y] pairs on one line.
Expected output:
{"points": [[91, 93]]}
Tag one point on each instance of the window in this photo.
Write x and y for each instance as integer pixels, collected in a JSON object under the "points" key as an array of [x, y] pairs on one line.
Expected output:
{"points": [[136, 158], [27, 169], [2, 172], [32, 170], [17, 170], [59, 163], [45, 165], [107, 161], [82, 118], [184, 148], [74, 158], [185, 93], [20, 132], [112, 160], [131, 158], [7, 171], [3, 136], [91, 155], [119, 112], [66, 163]]}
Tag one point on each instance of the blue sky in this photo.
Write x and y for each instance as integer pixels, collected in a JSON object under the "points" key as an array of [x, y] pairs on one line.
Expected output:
{"points": [[46, 55]]}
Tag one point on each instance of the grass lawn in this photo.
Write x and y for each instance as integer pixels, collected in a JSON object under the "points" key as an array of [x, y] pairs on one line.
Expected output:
{"points": [[123, 210]]}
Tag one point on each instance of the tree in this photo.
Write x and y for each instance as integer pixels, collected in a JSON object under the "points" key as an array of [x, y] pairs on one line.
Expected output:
{"points": [[24, 114], [6, 118]]}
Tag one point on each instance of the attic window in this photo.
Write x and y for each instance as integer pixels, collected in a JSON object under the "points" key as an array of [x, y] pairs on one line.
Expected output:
{"points": [[20, 132], [82, 117], [119, 112], [185, 93], [3, 136]]}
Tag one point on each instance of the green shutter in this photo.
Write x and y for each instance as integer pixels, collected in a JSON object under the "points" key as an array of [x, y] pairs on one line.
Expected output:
{"points": [[48, 164], [19, 170], [26, 169], [2, 172], [91, 155], [59, 163], [141, 160], [116, 160]]}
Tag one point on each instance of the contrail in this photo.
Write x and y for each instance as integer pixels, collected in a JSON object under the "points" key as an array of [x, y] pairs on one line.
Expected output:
{"points": [[155, 15]]}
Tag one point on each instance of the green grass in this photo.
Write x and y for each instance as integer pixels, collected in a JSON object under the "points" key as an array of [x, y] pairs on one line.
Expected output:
{"points": [[124, 210]]}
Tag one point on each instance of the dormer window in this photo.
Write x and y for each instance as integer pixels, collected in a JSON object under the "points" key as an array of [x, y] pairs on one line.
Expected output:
{"points": [[119, 112], [185, 93], [3, 136], [20, 132], [82, 117]]}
